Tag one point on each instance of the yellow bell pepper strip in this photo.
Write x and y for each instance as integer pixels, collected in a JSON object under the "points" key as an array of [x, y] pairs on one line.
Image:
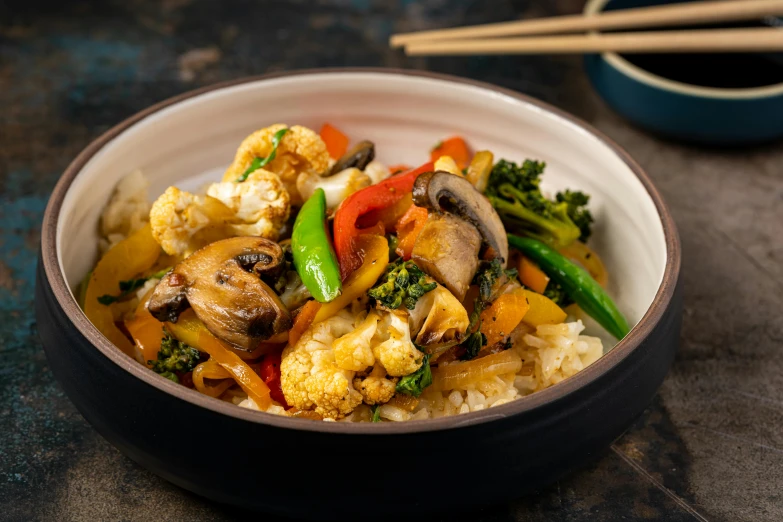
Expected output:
{"points": [[532, 276], [542, 310], [577, 283], [374, 251], [146, 331], [503, 315], [128, 258], [586, 256], [314, 256], [191, 331], [480, 168]]}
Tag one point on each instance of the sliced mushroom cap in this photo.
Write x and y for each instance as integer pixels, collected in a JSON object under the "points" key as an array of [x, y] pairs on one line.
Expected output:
{"points": [[221, 282], [358, 157], [447, 249], [454, 194]]}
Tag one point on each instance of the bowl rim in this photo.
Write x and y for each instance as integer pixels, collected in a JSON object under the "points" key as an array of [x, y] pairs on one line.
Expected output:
{"points": [[605, 364], [593, 7]]}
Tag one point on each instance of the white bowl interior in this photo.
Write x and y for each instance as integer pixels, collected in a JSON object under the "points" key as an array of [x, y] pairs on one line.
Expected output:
{"points": [[191, 142]]}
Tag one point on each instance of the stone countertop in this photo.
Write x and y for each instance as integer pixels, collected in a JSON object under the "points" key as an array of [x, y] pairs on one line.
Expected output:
{"points": [[709, 447]]}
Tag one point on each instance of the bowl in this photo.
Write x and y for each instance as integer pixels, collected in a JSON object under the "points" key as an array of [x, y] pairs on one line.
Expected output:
{"points": [[323, 470], [683, 111]]}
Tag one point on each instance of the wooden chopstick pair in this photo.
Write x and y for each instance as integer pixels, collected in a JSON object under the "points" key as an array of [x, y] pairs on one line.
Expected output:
{"points": [[493, 38]]}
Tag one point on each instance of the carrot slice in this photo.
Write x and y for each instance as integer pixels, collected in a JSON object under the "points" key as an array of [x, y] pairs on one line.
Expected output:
{"points": [[532, 276], [454, 147], [336, 142]]}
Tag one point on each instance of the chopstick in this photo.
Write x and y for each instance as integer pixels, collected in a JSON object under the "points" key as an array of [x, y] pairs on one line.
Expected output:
{"points": [[704, 41], [656, 16]]}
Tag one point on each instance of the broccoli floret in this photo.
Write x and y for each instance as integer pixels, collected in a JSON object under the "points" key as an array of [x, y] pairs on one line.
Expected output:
{"points": [[514, 192], [174, 356], [490, 276], [556, 293], [403, 283], [577, 210], [415, 383]]}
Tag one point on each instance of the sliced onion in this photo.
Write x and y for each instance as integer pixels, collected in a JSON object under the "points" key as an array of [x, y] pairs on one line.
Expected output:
{"points": [[463, 374]]}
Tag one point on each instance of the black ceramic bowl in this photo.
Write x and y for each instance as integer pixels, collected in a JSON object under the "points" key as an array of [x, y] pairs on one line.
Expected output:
{"points": [[353, 471]]}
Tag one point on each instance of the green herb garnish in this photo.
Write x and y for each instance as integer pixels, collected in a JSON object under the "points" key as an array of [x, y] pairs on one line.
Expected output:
{"points": [[263, 162], [131, 285], [415, 383]]}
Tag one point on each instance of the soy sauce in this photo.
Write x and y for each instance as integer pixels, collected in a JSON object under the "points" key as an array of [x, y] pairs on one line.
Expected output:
{"points": [[721, 70]]}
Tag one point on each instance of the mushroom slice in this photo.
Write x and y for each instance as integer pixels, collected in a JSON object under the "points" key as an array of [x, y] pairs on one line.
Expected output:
{"points": [[358, 157], [447, 249], [454, 194], [221, 283]]}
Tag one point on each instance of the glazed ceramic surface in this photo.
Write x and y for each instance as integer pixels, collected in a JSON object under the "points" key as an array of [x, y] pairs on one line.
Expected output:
{"points": [[190, 140], [679, 110]]}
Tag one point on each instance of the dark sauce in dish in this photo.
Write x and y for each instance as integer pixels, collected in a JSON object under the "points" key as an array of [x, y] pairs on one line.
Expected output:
{"points": [[724, 70]]}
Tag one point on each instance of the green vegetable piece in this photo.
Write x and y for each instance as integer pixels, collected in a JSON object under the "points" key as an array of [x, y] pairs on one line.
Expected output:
{"points": [[129, 286], [314, 257], [258, 163], [475, 340], [402, 284], [415, 383], [174, 356], [515, 193], [376, 413], [576, 282], [490, 276], [555, 292]]}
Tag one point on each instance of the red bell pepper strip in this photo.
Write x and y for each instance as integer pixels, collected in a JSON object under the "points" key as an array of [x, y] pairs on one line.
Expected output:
{"points": [[270, 373], [375, 197]]}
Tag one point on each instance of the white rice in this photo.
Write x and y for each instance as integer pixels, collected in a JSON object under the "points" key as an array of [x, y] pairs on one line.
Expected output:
{"points": [[550, 354]]}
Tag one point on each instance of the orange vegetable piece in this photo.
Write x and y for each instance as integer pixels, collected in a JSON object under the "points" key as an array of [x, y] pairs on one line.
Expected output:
{"points": [[503, 315], [454, 147], [336, 142], [191, 331], [303, 320], [408, 228], [532, 276], [125, 260], [396, 169], [147, 332]]}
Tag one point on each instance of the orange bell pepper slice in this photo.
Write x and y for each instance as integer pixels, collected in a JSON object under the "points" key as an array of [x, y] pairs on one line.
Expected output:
{"points": [[408, 228], [336, 142], [302, 321], [532, 276], [147, 332], [503, 315], [125, 260], [454, 147], [191, 331]]}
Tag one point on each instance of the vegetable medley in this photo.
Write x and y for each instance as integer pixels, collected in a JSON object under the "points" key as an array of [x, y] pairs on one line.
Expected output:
{"points": [[313, 281]]}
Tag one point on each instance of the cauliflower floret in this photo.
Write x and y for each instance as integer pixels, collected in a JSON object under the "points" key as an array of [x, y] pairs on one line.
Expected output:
{"points": [[300, 150], [183, 222], [397, 353], [353, 351], [127, 211], [376, 388], [261, 203], [309, 375], [336, 188]]}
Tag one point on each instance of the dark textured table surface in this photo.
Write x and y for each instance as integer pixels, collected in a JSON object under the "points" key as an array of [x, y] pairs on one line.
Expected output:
{"points": [[710, 446]]}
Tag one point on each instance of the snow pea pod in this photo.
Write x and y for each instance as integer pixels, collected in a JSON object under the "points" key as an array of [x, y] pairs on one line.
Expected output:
{"points": [[314, 256], [577, 283]]}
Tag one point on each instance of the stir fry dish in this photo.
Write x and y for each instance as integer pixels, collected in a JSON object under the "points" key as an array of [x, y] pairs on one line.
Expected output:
{"points": [[313, 281]]}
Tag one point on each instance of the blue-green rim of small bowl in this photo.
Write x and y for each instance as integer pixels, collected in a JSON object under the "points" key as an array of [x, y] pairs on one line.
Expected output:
{"points": [[623, 66]]}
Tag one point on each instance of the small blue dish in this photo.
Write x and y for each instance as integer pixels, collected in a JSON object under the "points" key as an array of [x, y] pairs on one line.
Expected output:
{"points": [[687, 111]]}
